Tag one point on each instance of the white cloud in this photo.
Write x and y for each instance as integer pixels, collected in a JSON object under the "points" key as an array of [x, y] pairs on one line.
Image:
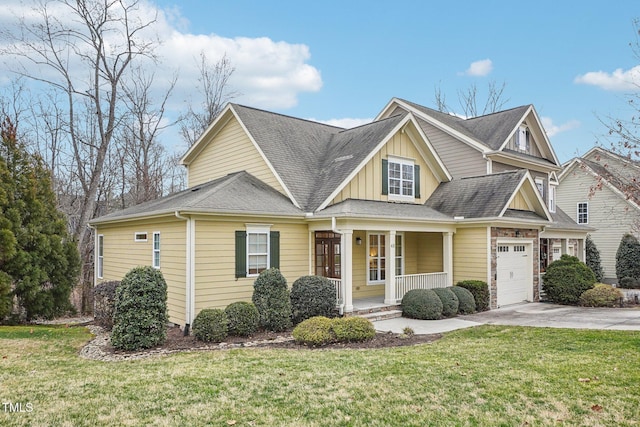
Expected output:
{"points": [[553, 129], [619, 80], [346, 123], [480, 68]]}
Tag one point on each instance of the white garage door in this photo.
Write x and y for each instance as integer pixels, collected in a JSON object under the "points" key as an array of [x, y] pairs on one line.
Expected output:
{"points": [[515, 278]]}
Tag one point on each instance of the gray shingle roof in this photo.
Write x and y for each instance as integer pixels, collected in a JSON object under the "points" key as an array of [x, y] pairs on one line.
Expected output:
{"points": [[476, 197], [377, 209], [562, 221], [238, 192]]}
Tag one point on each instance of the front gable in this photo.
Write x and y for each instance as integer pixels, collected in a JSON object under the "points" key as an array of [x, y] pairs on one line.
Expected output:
{"points": [[527, 198], [405, 144]]}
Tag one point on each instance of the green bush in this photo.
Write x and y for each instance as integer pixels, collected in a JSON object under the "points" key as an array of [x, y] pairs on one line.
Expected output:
{"points": [[312, 296], [6, 298], [449, 300], [315, 332], [422, 304], [353, 329], [243, 318], [210, 325], [628, 259], [271, 298], [480, 292], [566, 279], [629, 283], [104, 298], [593, 259], [140, 310], [466, 301], [601, 295]]}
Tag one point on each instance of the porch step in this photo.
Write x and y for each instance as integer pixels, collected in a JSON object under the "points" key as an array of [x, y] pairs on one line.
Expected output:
{"points": [[360, 311], [381, 315]]}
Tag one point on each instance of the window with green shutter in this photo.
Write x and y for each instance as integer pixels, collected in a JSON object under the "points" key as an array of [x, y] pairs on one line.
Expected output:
{"points": [[400, 179], [257, 248]]}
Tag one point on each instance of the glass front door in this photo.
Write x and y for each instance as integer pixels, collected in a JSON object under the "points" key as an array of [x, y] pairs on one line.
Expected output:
{"points": [[328, 261]]}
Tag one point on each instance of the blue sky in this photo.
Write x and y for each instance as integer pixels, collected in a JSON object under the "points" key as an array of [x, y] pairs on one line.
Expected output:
{"points": [[340, 60]]}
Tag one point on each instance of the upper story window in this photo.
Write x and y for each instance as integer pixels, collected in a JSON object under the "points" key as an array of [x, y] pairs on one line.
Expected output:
{"points": [[523, 139], [552, 198], [583, 213], [540, 186], [401, 179]]}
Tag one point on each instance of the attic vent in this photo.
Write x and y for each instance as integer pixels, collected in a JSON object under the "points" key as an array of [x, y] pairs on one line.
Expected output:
{"points": [[343, 158]]}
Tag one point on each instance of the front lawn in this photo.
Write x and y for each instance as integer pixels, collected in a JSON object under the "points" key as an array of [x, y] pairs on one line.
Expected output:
{"points": [[489, 375]]}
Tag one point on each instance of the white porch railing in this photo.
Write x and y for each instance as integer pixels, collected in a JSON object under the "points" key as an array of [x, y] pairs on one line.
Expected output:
{"points": [[338, 285], [408, 282]]}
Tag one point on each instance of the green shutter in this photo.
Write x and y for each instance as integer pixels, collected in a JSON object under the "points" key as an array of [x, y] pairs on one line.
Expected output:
{"points": [[274, 250], [241, 254], [416, 181], [385, 177]]}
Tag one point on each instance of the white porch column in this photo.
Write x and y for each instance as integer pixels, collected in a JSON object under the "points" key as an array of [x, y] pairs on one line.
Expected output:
{"points": [[564, 248], [447, 256], [390, 268], [346, 257], [581, 249]]}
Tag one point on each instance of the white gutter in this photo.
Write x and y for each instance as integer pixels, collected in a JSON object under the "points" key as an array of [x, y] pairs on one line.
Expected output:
{"points": [[189, 308], [343, 288]]}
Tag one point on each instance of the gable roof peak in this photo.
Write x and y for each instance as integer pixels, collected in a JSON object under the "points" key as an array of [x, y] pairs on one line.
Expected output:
{"points": [[259, 110]]}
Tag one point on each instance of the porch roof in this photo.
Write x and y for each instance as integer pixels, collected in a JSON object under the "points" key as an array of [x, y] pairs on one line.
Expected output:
{"points": [[377, 209], [562, 221]]}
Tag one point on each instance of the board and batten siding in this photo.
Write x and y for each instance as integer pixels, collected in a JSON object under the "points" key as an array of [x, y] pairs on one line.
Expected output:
{"points": [[122, 253], [215, 283], [230, 151], [608, 212], [470, 254], [367, 184], [519, 202], [460, 159]]}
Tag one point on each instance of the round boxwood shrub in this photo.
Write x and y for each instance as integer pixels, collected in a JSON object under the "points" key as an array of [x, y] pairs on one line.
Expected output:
{"points": [[422, 304], [601, 295], [466, 301], [353, 329], [480, 292], [629, 283], [566, 279], [314, 332], [210, 325], [140, 310], [104, 298], [243, 318], [271, 298], [312, 296], [449, 301]]}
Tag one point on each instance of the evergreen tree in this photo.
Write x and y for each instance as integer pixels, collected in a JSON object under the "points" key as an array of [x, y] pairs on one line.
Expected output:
{"points": [[36, 251], [593, 259], [628, 261]]}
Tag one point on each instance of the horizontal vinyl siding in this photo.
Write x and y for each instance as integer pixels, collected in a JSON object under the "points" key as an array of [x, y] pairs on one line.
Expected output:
{"points": [[608, 212], [470, 254], [121, 254], [216, 285], [230, 151], [367, 184], [460, 159]]}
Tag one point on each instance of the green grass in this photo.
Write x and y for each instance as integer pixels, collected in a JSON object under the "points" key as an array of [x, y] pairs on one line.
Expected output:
{"points": [[489, 375]]}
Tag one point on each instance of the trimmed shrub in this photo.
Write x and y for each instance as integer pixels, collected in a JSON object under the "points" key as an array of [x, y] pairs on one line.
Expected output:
{"points": [[466, 301], [480, 292], [210, 325], [271, 298], [353, 329], [566, 279], [628, 260], [312, 296], [601, 295], [243, 318], [422, 304], [449, 301], [6, 298], [629, 283], [593, 259], [314, 332], [104, 299], [140, 310]]}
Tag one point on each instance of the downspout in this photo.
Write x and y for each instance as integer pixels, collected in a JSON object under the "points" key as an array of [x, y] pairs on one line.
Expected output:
{"points": [[343, 288], [188, 311]]}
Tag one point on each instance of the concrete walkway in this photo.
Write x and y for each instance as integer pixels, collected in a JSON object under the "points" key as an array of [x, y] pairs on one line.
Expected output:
{"points": [[529, 314]]}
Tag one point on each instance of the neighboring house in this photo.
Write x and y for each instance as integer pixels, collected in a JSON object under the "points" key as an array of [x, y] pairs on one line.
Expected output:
{"points": [[600, 189], [415, 199]]}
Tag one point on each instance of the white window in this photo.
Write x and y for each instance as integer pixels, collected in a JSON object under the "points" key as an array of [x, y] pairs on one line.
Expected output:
{"points": [[540, 185], [401, 178], [377, 258], [100, 257], [583, 213], [552, 198], [257, 250], [156, 250], [522, 139], [140, 236]]}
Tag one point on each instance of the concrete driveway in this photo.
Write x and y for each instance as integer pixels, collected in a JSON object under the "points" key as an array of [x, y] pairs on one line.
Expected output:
{"points": [[529, 314]]}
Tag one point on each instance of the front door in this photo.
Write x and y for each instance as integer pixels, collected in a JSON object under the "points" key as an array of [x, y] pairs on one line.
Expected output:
{"points": [[328, 260]]}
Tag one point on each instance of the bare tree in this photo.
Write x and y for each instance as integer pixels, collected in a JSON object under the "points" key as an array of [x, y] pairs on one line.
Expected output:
{"points": [[213, 84], [468, 100]]}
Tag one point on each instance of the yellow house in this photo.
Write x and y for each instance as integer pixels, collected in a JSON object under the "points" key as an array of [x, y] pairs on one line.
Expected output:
{"points": [[374, 208]]}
